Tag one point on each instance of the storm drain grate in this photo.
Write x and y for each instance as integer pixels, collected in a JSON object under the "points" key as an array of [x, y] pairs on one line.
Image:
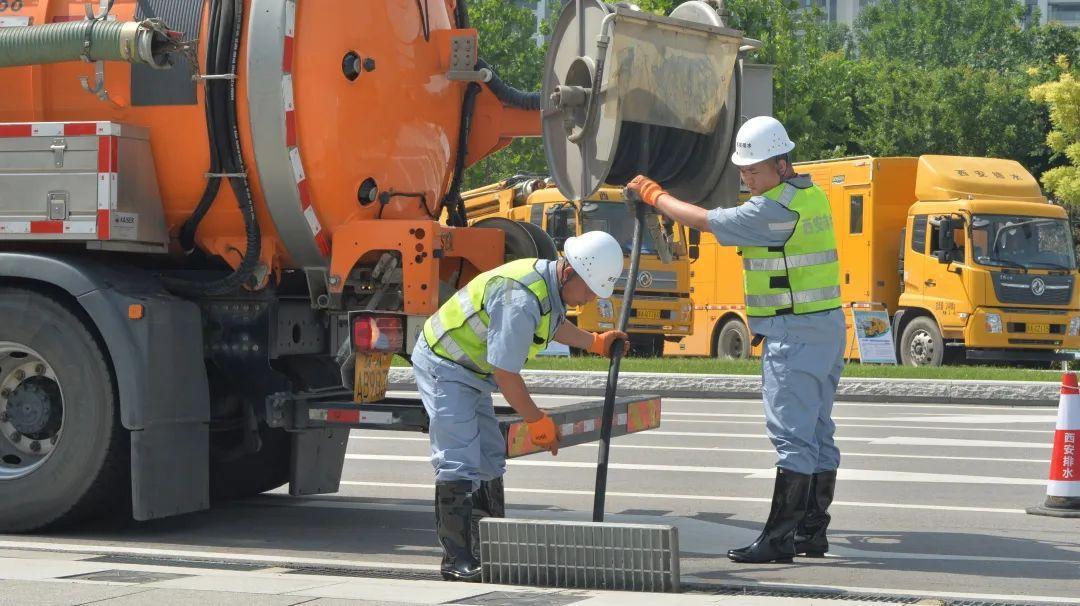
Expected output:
{"points": [[581, 555], [373, 573], [126, 576], [207, 564], [746, 590], [522, 598]]}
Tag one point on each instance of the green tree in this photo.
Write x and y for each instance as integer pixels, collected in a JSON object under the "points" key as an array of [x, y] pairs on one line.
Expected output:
{"points": [[1062, 97], [508, 44], [934, 33]]}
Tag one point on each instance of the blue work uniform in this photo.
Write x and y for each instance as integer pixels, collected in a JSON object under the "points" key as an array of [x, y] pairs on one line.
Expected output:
{"points": [[466, 443], [803, 355]]}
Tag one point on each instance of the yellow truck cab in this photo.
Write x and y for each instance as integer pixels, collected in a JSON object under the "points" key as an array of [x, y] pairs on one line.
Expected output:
{"points": [[965, 254], [662, 300]]}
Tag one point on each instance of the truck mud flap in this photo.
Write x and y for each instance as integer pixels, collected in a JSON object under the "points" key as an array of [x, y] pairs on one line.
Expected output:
{"points": [[578, 423]]}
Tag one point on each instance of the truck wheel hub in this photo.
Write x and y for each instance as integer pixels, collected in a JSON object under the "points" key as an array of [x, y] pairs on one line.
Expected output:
{"points": [[31, 410], [34, 408], [922, 347]]}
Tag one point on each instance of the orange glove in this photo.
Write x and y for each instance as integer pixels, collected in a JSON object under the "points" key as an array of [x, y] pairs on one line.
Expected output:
{"points": [[649, 190], [602, 342], [543, 433]]}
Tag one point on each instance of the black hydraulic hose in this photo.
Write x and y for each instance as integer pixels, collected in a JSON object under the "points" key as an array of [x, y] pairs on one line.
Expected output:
{"points": [[507, 94], [226, 136], [617, 349], [213, 184], [454, 203]]}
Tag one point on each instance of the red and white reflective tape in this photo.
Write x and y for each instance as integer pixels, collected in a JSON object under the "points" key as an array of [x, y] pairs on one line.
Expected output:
{"points": [[108, 146], [588, 426], [719, 307], [299, 177], [1065, 457]]}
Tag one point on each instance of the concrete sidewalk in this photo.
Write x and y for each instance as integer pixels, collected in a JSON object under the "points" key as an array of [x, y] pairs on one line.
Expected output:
{"points": [[739, 387], [42, 578]]}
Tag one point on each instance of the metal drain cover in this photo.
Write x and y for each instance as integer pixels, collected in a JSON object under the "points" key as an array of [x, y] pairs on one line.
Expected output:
{"points": [[137, 577]]}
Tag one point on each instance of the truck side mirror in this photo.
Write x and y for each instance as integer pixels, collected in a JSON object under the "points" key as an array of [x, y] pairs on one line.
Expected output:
{"points": [[695, 238], [694, 251], [946, 241]]}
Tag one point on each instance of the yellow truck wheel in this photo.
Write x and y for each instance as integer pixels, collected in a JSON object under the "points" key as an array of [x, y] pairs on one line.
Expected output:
{"points": [[922, 344], [733, 340]]}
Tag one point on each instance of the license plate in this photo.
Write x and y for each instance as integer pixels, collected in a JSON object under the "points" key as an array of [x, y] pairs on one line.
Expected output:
{"points": [[372, 371], [648, 314], [1039, 329]]}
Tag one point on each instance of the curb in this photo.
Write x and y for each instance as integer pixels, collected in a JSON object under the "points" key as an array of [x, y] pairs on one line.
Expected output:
{"points": [[748, 387]]}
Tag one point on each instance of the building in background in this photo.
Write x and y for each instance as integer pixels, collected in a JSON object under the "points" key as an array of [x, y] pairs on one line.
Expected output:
{"points": [[1066, 12], [543, 9]]}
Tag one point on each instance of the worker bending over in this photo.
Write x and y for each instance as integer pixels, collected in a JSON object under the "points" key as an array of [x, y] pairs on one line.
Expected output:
{"points": [[792, 288], [478, 342]]}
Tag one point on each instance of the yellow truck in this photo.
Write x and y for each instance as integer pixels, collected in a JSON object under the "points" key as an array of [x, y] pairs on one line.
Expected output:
{"points": [[965, 254], [662, 300]]}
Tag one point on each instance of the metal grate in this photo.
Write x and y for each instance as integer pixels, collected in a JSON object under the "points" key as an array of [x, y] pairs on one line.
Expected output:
{"points": [[585, 555], [135, 577], [182, 563], [372, 573], [522, 598], [823, 594]]}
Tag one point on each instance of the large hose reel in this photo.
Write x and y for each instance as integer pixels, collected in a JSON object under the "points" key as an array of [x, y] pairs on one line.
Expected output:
{"points": [[615, 74]]}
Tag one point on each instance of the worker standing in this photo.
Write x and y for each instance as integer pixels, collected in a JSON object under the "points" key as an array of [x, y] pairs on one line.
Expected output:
{"points": [[792, 286], [477, 342]]}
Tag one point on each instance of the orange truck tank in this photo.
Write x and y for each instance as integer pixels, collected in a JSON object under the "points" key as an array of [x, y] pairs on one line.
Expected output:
{"points": [[219, 222]]}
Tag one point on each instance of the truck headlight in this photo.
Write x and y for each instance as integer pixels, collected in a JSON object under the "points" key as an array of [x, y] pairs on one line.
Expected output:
{"points": [[1074, 327], [993, 323], [605, 308], [685, 311]]}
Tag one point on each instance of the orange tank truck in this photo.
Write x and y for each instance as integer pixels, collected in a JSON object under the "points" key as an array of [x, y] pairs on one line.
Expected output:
{"points": [[219, 222]]}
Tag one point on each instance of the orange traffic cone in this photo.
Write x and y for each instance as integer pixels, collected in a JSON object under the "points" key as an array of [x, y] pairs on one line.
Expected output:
{"points": [[1063, 489]]}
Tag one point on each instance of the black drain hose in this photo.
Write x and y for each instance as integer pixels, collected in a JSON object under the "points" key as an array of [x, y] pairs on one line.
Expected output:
{"points": [[618, 349]]}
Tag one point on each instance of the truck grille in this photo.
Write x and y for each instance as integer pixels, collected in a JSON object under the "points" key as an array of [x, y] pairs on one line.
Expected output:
{"points": [[651, 280], [1033, 290]]}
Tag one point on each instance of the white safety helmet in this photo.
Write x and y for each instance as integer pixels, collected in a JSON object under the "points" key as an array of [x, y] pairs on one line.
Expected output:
{"points": [[759, 139], [597, 257]]}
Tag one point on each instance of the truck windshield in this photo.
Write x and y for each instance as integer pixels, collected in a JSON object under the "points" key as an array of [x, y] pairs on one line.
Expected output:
{"points": [[614, 218], [1028, 242]]}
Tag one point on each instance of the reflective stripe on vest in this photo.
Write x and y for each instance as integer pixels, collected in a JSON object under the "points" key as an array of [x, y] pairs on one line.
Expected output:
{"points": [[458, 331], [782, 263], [803, 276]]}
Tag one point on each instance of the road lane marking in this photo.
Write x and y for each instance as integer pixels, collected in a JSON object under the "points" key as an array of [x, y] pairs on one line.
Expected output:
{"points": [[744, 450], [1050, 431], [844, 474], [661, 496]]}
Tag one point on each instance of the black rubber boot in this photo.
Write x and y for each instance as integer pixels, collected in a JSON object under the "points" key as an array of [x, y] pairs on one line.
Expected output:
{"points": [[488, 502], [777, 540], [810, 539], [453, 522]]}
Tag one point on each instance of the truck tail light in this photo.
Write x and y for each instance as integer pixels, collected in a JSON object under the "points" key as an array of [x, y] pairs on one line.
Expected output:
{"points": [[378, 333]]}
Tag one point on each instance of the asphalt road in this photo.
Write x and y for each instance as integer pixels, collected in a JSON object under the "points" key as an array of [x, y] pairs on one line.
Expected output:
{"points": [[930, 501]]}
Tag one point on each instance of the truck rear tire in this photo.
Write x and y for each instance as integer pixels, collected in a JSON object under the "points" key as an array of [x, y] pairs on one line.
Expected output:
{"points": [[64, 456], [253, 473], [922, 344], [733, 341]]}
